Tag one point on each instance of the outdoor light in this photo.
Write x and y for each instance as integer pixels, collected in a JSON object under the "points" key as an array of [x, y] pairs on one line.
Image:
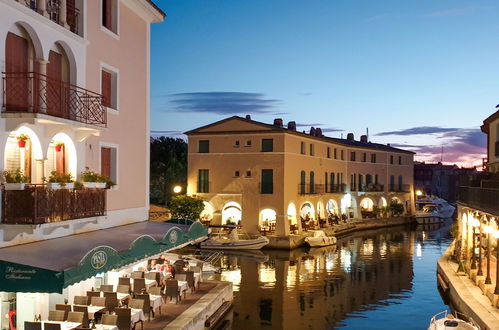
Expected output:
{"points": [[475, 223], [496, 236], [479, 241], [488, 229], [419, 193], [177, 189]]}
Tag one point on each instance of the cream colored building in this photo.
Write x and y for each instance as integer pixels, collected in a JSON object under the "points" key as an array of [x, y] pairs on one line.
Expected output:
{"points": [[271, 175]]}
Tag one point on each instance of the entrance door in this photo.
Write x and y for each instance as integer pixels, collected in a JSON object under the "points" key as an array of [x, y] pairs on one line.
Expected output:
{"points": [[16, 67], [54, 85]]}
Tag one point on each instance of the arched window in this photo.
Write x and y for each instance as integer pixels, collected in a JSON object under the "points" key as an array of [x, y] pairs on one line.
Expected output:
{"points": [[312, 182], [302, 182]]}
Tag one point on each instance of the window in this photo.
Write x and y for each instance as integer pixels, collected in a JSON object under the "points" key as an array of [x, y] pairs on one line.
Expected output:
{"points": [[369, 179], [400, 183], [267, 182], [325, 181], [361, 182], [108, 162], [400, 160], [335, 153], [110, 15], [203, 181], [391, 159], [267, 145], [352, 182], [248, 174], [312, 182], [204, 146], [364, 157], [331, 182], [342, 158], [375, 179], [302, 148], [236, 143], [302, 182], [248, 143], [236, 174], [328, 152], [352, 156], [392, 183], [373, 158], [311, 149], [109, 88]]}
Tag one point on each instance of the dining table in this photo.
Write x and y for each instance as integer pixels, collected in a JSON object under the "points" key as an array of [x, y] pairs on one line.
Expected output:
{"points": [[65, 325], [93, 309], [156, 301], [106, 327], [137, 315]]}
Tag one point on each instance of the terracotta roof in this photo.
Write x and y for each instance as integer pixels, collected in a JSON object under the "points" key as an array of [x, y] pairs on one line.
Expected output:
{"points": [[346, 142]]}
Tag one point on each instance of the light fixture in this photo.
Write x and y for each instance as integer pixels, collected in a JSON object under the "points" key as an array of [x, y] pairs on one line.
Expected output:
{"points": [[487, 229], [419, 193], [475, 222], [177, 189]]}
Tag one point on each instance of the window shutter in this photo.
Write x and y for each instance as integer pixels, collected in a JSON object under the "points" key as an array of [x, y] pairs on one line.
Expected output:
{"points": [[106, 89], [107, 14], [105, 162]]}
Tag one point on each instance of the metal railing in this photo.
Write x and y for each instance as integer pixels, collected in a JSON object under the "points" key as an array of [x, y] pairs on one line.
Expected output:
{"points": [[372, 188], [36, 93], [481, 198], [36, 204], [405, 188], [336, 188], [310, 189]]}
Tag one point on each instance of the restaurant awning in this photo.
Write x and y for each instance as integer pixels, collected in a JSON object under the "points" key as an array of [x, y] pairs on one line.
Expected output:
{"points": [[52, 265]]}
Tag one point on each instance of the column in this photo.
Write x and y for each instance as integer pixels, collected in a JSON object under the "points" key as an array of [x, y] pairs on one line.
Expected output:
{"points": [[63, 13], [282, 225], [42, 91], [42, 8]]}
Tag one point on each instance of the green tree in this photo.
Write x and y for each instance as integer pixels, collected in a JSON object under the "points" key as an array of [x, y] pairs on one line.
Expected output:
{"points": [[168, 168], [185, 207], [396, 208]]}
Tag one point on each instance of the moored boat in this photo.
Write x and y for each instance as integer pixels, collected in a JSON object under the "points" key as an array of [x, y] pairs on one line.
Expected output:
{"points": [[320, 238], [444, 320], [234, 241], [431, 209]]}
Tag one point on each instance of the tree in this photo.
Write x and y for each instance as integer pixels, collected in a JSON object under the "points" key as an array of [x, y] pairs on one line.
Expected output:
{"points": [[186, 207], [168, 167], [396, 208]]}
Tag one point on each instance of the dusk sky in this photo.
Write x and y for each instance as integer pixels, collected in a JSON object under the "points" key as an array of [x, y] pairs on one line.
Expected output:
{"points": [[420, 75]]}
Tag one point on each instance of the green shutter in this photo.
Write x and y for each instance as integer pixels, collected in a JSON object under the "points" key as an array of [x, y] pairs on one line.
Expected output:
{"points": [[267, 182], [204, 146], [267, 145]]}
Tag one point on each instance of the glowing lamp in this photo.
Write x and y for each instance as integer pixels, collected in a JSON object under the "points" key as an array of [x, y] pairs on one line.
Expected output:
{"points": [[475, 222], [496, 234], [177, 189], [419, 193], [487, 229]]}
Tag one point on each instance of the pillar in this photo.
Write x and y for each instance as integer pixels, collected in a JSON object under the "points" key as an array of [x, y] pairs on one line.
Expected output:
{"points": [[63, 14], [42, 69], [282, 225], [42, 8]]}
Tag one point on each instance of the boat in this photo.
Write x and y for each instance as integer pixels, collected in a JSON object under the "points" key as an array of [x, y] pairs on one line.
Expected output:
{"points": [[319, 238], [445, 321], [431, 209], [235, 240]]}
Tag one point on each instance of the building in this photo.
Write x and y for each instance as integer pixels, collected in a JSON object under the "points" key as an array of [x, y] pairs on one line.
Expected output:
{"points": [[276, 177]]}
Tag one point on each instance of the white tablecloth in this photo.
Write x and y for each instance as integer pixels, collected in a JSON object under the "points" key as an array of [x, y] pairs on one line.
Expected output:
{"points": [[93, 309], [149, 283], [182, 286], [156, 301], [122, 296], [105, 327], [137, 315], [64, 325]]}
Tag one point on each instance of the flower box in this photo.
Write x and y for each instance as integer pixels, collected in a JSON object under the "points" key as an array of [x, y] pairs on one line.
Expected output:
{"points": [[54, 185], [14, 186], [89, 184], [69, 185], [100, 185]]}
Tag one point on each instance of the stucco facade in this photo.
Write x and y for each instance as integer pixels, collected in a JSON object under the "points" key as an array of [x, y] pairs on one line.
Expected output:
{"points": [[312, 176]]}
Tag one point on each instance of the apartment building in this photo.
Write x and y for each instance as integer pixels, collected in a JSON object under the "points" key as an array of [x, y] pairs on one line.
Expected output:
{"points": [[267, 175]]}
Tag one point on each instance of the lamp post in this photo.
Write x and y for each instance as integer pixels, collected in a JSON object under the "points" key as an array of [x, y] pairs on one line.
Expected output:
{"points": [[496, 236], [474, 223], [464, 244], [479, 245], [488, 230]]}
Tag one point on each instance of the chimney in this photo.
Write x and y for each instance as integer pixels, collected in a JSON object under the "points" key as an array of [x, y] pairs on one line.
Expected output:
{"points": [[278, 122], [292, 126], [318, 132], [363, 138], [350, 137], [312, 131], [248, 117]]}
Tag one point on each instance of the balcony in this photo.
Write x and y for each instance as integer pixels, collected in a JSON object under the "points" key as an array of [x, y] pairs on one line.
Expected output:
{"points": [[336, 188], [400, 188], [30, 92], [486, 199], [38, 205], [372, 188], [54, 10]]}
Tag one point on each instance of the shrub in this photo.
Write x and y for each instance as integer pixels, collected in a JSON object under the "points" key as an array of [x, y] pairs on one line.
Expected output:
{"points": [[186, 207], [396, 208], [60, 177], [22, 137], [89, 175], [15, 176]]}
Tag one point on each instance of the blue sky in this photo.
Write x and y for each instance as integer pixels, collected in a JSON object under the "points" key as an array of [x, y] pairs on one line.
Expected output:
{"points": [[419, 74]]}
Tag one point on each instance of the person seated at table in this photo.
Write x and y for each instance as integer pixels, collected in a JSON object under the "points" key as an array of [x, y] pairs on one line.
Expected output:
{"points": [[152, 265], [167, 270]]}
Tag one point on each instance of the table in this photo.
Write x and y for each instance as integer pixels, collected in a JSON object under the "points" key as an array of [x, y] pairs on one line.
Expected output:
{"points": [[65, 325], [156, 301], [149, 283], [182, 286], [137, 315], [105, 327], [93, 309]]}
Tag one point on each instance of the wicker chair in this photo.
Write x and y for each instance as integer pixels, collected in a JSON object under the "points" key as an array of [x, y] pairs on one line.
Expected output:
{"points": [[191, 282], [124, 281], [109, 319], [146, 305], [32, 325], [111, 301], [106, 288], [77, 317], [65, 308], [122, 288], [91, 294], [181, 277], [137, 274], [84, 310], [124, 318], [155, 290], [80, 300], [51, 326], [139, 285], [171, 290], [98, 301], [57, 316], [154, 276]]}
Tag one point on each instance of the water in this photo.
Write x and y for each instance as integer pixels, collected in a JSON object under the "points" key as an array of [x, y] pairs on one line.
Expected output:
{"points": [[375, 279]]}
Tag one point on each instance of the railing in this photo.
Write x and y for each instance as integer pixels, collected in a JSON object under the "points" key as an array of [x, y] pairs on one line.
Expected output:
{"points": [[405, 188], [53, 10], [372, 188], [310, 189], [36, 93], [37, 205], [481, 198], [336, 188]]}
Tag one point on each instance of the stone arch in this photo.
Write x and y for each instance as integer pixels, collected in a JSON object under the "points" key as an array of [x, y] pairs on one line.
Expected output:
{"points": [[24, 158], [64, 159], [332, 207], [231, 213], [71, 60], [33, 36], [367, 204], [267, 217], [382, 202], [307, 208], [291, 213]]}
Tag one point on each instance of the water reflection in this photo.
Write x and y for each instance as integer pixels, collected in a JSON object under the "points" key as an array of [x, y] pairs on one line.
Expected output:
{"points": [[370, 280]]}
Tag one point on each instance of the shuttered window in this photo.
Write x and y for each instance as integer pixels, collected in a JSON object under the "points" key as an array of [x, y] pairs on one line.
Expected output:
{"points": [[203, 181], [106, 89], [267, 145], [107, 14], [267, 185], [105, 159], [204, 146]]}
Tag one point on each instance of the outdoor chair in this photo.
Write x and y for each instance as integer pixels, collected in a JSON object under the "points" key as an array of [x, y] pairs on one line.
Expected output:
{"points": [[80, 300], [106, 287], [98, 301], [52, 326], [110, 319], [77, 317], [91, 294], [32, 325], [195, 269], [171, 290], [137, 274], [123, 288], [111, 301], [146, 304], [191, 282], [153, 276], [181, 277], [136, 303], [139, 285], [124, 281], [84, 310], [57, 316], [65, 308], [155, 290], [124, 318]]}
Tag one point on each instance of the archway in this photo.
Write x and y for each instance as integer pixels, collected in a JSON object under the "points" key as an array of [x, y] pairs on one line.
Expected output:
{"points": [[332, 207], [395, 200], [207, 213], [231, 213], [24, 156], [307, 210], [267, 219], [292, 214], [61, 155], [383, 202], [367, 204]]}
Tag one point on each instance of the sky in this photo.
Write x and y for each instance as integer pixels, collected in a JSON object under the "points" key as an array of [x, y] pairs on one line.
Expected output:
{"points": [[421, 75]]}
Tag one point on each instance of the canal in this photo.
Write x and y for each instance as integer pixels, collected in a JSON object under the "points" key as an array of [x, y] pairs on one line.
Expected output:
{"points": [[376, 279]]}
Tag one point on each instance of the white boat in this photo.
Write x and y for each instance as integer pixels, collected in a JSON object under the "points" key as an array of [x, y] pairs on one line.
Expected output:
{"points": [[320, 238], [431, 209], [446, 321], [234, 241]]}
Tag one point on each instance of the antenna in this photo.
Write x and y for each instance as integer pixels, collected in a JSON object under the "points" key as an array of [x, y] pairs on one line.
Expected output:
{"points": [[367, 133]]}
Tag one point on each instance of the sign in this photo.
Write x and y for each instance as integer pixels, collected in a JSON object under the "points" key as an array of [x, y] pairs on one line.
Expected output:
{"points": [[98, 259], [13, 273], [173, 237]]}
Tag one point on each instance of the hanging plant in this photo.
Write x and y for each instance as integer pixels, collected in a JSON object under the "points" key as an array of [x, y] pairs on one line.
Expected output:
{"points": [[21, 140], [58, 146]]}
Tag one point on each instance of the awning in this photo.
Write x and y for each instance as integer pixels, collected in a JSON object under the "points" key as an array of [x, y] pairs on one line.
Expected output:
{"points": [[51, 265]]}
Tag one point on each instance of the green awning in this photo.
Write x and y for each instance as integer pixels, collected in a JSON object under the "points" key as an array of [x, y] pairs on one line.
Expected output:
{"points": [[51, 265]]}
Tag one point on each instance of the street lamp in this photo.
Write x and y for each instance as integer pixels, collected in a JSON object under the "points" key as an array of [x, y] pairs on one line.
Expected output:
{"points": [[496, 236], [177, 189], [419, 193], [488, 230], [479, 246], [474, 223]]}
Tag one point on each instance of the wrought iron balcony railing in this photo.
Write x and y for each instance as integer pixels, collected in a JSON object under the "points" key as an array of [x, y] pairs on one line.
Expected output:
{"points": [[336, 188], [53, 9], [36, 93], [486, 199], [372, 188], [37, 204], [403, 188]]}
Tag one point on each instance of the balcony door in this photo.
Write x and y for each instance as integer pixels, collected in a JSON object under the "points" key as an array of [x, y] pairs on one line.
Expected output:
{"points": [[54, 85], [60, 161], [16, 68]]}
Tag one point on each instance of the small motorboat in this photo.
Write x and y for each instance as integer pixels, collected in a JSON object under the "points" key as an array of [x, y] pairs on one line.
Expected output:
{"points": [[446, 321], [235, 240], [319, 238]]}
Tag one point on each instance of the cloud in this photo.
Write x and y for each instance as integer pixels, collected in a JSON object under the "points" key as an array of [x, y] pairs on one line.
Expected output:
{"points": [[453, 12], [165, 133], [419, 130], [224, 103]]}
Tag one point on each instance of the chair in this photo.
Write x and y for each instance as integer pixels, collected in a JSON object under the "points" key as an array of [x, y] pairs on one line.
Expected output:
{"points": [[110, 319], [181, 277], [122, 288], [98, 301], [32, 325], [91, 294], [153, 276], [80, 300], [155, 290], [124, 318], [191, 281], [137, 303], [139, 285], [171, 290], [51, 326], [111, 301], [195, 269], [124, 281], [65, 308], [84, 310], [76, 317], [146, 305], [106, 287], [137, 274], [56, 315]]}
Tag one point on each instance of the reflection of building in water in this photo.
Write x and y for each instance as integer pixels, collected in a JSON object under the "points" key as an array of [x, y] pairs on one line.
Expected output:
{"points": [[316, 289]]}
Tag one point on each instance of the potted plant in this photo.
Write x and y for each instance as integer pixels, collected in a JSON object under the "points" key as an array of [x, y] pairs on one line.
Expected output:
{"points": [[21, 140], [14, 179], [101, 181], [89, 178], [58, 146], [60, 180]]}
